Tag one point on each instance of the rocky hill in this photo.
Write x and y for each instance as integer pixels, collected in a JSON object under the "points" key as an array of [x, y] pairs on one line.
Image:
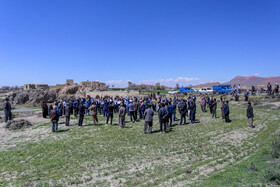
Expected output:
{"points": [[254, 80], [206, 85]]}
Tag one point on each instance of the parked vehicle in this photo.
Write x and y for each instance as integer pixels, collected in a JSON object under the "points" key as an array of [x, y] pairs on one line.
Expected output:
{"points": [[186, 90], [223, 89], [206, 90], [173, 92]]}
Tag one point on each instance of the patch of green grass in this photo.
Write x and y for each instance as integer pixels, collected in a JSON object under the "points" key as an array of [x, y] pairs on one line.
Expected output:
{"points": [[107, 155], [260, 168]]}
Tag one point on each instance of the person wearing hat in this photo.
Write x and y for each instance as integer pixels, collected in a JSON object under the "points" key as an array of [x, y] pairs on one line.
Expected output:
{"points": [[148, 116], [7, 110], [250, 115]]}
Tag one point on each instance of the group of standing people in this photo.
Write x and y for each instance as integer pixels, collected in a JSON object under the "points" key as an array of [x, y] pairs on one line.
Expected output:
{"points": [[270, 91], [136, 108], [187, 108], [212, 105]]}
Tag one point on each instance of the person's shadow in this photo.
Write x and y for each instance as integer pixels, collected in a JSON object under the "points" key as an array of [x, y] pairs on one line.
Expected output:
{"points": [[64, 130]]}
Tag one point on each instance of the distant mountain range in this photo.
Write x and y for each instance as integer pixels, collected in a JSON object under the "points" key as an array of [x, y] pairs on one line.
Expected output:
{"points": [[206, 85], [254, 80], [243, 81]]}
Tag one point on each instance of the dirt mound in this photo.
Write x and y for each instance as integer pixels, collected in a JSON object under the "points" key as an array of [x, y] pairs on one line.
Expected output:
{"points": [[16, 125], [35, 97]]}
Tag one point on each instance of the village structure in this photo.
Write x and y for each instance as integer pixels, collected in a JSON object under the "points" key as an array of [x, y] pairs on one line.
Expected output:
{"points": [[69, 84]]}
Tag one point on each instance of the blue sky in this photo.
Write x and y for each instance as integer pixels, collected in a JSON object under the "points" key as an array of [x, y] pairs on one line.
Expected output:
{"points": [[145, 41]]}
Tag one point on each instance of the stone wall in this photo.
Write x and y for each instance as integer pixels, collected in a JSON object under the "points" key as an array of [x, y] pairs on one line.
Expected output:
{"points": [[84, 86], [36, 86], [92, 85]]}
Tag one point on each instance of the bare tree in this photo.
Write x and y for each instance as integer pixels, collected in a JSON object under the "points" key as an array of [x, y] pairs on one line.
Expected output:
{"points": [[158, 86], [129, 84]]}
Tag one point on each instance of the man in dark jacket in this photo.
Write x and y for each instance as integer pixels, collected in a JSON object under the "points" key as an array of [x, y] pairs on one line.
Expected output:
{"points": [[7, 110], [148, 116], [210, 105], [110, 113], [76, 107], [163, 113], [174, 111], [222, 108], [250, 115], [139, 109], [61, 108], [67, 114], [193, 110], [71, 107], [203, 104], [81, 113], [269, 88], [226, 112], [246, 95], [183, 111], [143, 108], [44, 109], [276, 88], [135, 109], [54, 119], [214, 108], [170, 113]]}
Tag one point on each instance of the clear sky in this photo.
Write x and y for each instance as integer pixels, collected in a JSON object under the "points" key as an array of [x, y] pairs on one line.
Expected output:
{"points": [[185, 41]]}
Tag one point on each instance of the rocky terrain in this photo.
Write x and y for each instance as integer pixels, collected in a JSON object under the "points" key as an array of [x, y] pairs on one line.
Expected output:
{"points": [[35, 97], [254, 80]]}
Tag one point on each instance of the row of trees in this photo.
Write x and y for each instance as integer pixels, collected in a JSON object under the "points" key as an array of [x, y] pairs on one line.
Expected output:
{"points": [[157, 86], [11, 88]]}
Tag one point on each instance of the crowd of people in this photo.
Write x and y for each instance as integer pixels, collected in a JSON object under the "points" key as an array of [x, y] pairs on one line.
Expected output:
{"points": [[137, 109]]}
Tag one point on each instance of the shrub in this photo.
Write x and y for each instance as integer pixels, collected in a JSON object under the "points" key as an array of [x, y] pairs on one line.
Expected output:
{"points": [[273, 175], [275, 149]]}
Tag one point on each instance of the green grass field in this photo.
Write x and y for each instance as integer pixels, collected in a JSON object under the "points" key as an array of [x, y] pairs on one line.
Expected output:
{"points": [[208, 153]]}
